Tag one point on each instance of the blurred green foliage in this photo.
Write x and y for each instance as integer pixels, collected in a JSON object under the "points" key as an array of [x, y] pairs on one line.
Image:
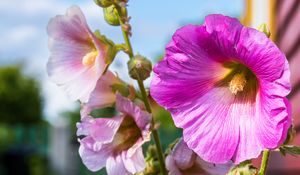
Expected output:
{"points": [[20, 99], [23, 132]]}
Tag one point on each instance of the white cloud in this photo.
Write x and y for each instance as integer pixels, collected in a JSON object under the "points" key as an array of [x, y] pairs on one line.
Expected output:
{"points": [[17, 37]]}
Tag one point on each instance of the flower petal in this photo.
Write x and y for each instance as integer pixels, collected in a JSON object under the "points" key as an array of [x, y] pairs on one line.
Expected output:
{"points": [[214, 169], [136, 163], [101, 129], [183, 161], [83, 127], [115, 166], [211, 125], [102, 96], [262, 56], [70, 40], [94, 160], [183, 156], [104, 129], [142, 118]]}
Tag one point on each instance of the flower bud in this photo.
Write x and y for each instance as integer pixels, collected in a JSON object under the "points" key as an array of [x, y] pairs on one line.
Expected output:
{"points": [[264, 28], [139, 67], [152, 163], [103, 3], [111, 15]]}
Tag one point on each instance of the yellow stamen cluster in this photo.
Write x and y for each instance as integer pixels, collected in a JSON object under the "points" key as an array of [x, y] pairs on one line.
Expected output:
{"points": [[237, 83], [89, 58]]}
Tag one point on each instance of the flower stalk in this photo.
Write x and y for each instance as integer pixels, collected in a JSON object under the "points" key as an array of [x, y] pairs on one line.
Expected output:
{"points": [[129, 51], [264, 162]]}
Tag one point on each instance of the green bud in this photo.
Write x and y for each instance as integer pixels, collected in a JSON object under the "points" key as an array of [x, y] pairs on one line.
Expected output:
{"points": [[103, 3], [139, 67], [111, 15], [264, 28], [152, 163]]}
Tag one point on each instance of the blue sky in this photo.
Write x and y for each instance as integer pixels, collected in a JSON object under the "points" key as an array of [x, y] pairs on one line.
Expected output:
{"points": [[24, 38]]}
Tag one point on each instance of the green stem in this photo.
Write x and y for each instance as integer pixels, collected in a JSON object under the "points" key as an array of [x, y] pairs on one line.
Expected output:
{"points": [[264, 162], [154, 130], [145, 99]]}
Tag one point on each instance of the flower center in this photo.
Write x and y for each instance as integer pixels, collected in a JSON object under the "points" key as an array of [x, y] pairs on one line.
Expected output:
{"points": [[127, 135], [237, 83], [89, 58], [240, 81]]}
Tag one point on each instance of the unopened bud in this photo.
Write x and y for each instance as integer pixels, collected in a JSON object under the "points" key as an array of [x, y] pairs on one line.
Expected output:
{"points": [[139, 67], [103, 3], [264, 28], [111, 15]]}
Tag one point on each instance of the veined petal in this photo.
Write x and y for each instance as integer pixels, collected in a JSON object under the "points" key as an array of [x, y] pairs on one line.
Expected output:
{"points": [[115, 166], [183, 156], [183, 161], [104, 129], [211, 129], [94, 160], [142, 118], [101, 129], [83, 127], [103, 95], [70, 40], [136, 163]]}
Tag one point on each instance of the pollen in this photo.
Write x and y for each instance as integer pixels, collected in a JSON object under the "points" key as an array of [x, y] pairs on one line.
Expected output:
{"points": [[89, 58], [237, 83]]}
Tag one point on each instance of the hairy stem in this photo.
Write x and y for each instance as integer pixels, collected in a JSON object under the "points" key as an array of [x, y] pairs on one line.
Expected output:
{"points": [[264, 162], [155, 135]]}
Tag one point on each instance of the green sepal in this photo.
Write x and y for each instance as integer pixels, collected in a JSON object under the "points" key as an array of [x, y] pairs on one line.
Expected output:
{"points": [[103, 3], [289, 149], [122, 88], [110, 49], [290, 135], [244, 168], [265, 29]]}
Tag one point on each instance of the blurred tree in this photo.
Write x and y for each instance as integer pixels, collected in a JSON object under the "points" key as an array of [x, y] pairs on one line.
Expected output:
{"points": [[20, 99]]}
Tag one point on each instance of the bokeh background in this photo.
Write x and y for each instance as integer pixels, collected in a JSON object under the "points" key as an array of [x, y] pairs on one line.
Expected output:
{"points": [[37, 119]]}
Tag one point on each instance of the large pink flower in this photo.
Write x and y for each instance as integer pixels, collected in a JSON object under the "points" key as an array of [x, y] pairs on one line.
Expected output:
{"points": [[115, 142], [184, 161], [77, 57], [225, 85]]}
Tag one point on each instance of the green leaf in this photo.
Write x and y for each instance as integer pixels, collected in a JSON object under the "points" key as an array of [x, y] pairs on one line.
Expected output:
{"points": [[108, 112], [290, 149]]}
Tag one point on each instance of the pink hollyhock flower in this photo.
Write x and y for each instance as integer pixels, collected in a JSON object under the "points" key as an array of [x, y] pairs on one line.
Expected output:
{"points": [[103, 95], [225, 85], [77, 58], [184, 161], [115, 142]]}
